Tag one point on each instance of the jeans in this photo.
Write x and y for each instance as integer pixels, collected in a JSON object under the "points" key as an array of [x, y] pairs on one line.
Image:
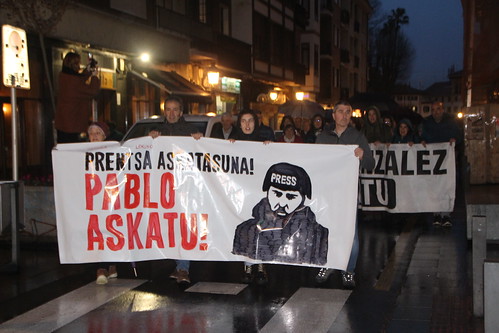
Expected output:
{"points": [[183, 265]]}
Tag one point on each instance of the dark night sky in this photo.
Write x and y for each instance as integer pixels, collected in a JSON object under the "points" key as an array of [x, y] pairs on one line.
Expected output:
{"points": [[435, 30]]}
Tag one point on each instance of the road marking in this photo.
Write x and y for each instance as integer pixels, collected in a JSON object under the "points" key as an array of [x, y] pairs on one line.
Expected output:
{"points": [[217, 288], [308, 310], [63, 310], [402, 248]]}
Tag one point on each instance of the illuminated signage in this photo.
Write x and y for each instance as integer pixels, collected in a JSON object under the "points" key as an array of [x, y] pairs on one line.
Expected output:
{"points": [[231, 85]]}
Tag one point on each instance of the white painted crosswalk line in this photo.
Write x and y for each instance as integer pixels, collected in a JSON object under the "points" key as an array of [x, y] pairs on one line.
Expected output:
{"points": [[217, 288], [308, 310], [63, 310]]}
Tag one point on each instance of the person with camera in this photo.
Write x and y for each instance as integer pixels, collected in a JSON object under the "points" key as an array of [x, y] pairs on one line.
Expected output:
{"points": [[74, 101]]}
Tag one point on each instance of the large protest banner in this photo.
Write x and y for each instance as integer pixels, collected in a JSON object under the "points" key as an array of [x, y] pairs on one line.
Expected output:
{"points": [[207, 199], [410, 179]]}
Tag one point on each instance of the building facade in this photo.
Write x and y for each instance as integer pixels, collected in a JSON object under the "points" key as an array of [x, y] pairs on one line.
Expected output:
{"points": [[257, 47]]}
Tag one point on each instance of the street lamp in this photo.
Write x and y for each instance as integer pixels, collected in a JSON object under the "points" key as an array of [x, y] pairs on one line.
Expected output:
{"points": [[299, 95], [273, 95], [145, 57], [213, 75]]}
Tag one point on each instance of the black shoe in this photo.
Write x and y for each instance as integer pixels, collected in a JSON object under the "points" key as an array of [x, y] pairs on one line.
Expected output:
{"points": [[437, 220], [247, 277], [348, 280], [446, 222], [323, 275], [261, 276]]}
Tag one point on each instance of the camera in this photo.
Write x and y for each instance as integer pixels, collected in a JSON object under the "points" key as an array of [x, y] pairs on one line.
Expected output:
{"points": [[92, 63]]}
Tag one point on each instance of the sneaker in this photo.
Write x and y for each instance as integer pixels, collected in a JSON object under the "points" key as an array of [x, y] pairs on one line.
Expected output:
{"points": [[182, 276], [174, 275], [323, 275], [446, 221], [261, 275], [247, 277], [113, 273], [101, 276], [437, 220], [348, 280]]}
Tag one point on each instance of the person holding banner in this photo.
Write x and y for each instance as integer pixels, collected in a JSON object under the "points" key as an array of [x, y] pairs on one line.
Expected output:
{"points": [[440, 127], [344, 134], [248, 129], [405, 133], [176, 125], [99, 131]]}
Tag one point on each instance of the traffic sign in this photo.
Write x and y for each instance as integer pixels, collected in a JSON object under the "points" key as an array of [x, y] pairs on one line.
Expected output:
{"points": [[15, 58]]}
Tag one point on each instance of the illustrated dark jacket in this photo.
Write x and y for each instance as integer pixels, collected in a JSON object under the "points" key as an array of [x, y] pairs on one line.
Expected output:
{"points": [[297, 238]]}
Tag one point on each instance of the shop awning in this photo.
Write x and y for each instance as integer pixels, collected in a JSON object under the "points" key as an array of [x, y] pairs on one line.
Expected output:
{"points": [[175, 84]]}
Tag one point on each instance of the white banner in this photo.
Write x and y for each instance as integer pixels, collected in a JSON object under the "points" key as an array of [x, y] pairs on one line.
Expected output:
{"points": [[410, 179], [178, 198]]}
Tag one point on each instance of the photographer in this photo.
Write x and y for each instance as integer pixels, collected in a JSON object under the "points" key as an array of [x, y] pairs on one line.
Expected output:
{"points": [[76, 91]]}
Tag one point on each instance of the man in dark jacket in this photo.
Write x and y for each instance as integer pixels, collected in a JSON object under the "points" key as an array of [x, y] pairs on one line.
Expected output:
{"points": [[176, 125], [282, 228], [440, 127], [344, 134], [224, 128]]}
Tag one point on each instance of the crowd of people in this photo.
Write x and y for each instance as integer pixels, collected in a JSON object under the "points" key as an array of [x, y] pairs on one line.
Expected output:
{"points": [[74, 109]]}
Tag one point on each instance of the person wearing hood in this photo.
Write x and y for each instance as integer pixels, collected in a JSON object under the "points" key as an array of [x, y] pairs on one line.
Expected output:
{"points": [[405, 133], [373, 127], [247, 127], [98, 131]]}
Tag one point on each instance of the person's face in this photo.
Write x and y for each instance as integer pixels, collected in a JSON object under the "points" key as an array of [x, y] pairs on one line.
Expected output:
{"points": [[172, 111], [437, 111], [342, 116], [297, 122], [247, 123], [371, 115], [283, 202], [289, 133], [317, 123], [403, 129], [388, 122], [226, 122], [95, 134]]}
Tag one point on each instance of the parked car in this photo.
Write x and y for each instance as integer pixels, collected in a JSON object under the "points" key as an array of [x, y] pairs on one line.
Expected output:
{"points": [[142, 127]]}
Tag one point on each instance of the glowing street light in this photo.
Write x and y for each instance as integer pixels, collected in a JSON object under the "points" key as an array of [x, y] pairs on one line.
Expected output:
{"points": [[145, 57], [213, 75], [299, 95]]}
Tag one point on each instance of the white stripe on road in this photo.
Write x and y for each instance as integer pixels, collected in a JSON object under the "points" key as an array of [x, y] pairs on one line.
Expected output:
{"points": [[217, 288], [63, 310], [308, 310]]}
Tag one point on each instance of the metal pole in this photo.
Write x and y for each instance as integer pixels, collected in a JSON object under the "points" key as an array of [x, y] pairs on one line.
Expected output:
{"points": [[15, 175]]}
